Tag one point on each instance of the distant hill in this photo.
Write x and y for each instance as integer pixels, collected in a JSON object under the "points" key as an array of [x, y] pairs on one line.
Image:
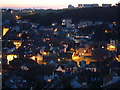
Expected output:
{"points": [[46, 17], [102, 14]]}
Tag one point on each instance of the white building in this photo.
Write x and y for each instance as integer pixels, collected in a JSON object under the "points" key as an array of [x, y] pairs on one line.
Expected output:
{"points": [[87, 5], [70, 7], [106, 5]]}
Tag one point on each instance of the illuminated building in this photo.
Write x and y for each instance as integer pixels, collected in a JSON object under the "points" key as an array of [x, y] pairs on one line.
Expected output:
{"points": [[76, 58], [111, 47], [17, 43], [60, 69], [19, 35], [37, 58], [5, 30], [11, 57], [118, 58]]}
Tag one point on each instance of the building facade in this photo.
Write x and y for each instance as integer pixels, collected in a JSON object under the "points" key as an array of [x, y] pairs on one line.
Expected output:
{"points": [[87, 5]]}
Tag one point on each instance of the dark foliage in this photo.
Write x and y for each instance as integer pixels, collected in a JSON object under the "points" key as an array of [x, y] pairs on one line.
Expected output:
{"points": [[103, 14]]}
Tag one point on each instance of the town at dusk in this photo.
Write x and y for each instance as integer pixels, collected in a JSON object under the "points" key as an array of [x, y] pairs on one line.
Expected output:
{"points": [[60, 44]]}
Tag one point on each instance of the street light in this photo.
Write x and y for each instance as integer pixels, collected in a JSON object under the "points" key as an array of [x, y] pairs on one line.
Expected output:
{"points": [[17, 17]]}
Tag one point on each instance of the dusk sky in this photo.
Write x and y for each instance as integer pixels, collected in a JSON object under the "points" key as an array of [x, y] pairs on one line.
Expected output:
{"points": [[47, 4]]}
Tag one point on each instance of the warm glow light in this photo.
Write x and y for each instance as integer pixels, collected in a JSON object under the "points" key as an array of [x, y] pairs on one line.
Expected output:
{"points": [[49, 80], [103, 47], [44, 53], [79, 27], [37, 58], [71, 49], [68, 35], [106, 31], [58, 59], [19, 35], [82, 54], [114, 22], [63, 23], [5, 30], [118, 58], [92, 48], [11, 57], [33, 57], [17, 17], [17, 44], [75, 58], [111, 48], [55, 30]]}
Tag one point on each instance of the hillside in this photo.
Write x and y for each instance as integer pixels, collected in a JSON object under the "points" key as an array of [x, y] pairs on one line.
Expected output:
{"points": [[46, 17], [102, 14]]}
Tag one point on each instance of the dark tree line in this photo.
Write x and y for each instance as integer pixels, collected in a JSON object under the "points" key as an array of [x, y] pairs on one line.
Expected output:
{"points": [[102, 14]]}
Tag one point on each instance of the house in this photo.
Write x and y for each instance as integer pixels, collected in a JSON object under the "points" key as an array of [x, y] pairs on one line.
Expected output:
{"points": [[87, 5], [60, 69], [106, 5], [71, 7], [92, 68], [11, 56], [38, 58]]}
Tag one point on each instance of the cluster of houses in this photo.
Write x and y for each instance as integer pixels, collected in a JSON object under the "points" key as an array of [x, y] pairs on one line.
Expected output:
{"points": [[58, 56], [90, 6]]}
